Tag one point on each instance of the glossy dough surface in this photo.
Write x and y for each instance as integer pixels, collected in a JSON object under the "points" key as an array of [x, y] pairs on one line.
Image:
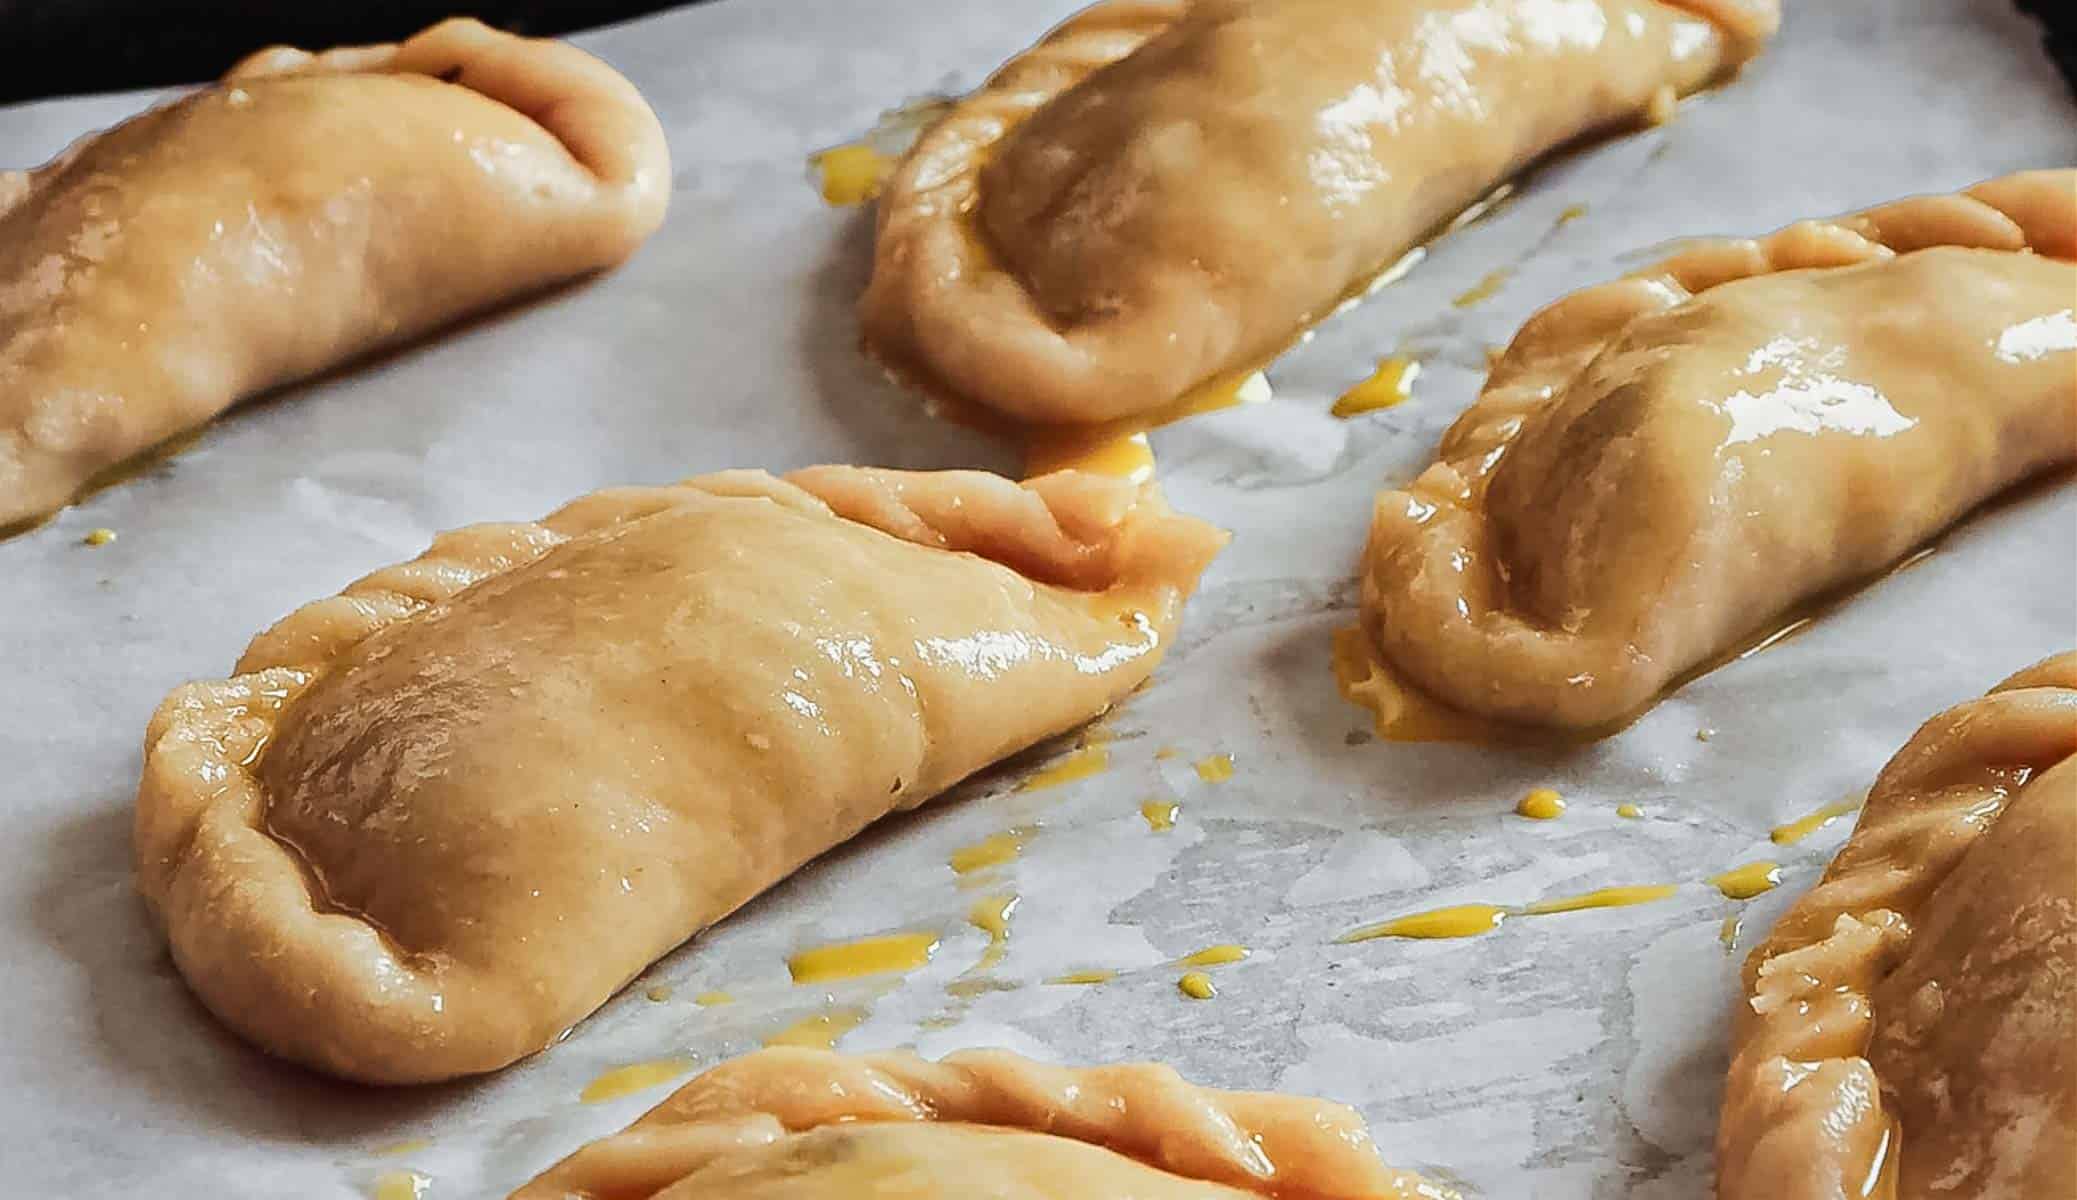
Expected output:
{"points": [[304, 211], [1659, 466], [788, 1124], [435, 821], [1910, 1020], [1163, 191]]}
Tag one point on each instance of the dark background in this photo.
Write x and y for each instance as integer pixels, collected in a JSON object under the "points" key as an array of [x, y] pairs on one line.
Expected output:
{"points": [[2058, 18], [59, 47]]}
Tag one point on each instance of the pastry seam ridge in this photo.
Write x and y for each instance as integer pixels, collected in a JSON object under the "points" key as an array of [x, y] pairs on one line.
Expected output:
{"points": [[293, 653], [578, 99], [1104, 33], [1111, 522], [200, 784], [1111, 30], [1128, 532], [1087, 532], [2031, 212], [590, 181], [1070, 52], [941, 174], [1809, 1009], [1283, 1146]]}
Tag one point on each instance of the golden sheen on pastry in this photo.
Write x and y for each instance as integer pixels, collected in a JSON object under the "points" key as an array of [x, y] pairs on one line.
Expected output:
{"points": [[302, 212], [1164, 191], [1911, 1024], [433, 822], [1659, 466], [788, 1124]]}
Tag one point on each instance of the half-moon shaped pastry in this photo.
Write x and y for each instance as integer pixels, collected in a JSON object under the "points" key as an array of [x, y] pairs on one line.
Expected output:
{"points": [[788, 1124], [1911, 1024], [1660, 466], [435, 821], [1165, 191], [302, 212]]}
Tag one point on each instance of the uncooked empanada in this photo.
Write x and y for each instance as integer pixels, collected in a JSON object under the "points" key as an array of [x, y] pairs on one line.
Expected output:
{"points": [[1911, 1028], [436, 820], [302, 212], [1659, 466], [788, 1124], [1164, 191]]}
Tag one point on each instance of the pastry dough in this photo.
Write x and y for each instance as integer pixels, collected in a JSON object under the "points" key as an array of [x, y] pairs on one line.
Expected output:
{"points": [[302, 212], [436, 820], [1910, 1020], [787, 1124], [1660, 465], [1165, 191]]}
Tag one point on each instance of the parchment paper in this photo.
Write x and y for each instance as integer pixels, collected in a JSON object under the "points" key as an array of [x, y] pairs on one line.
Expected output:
{"points": [[1569, 1056]]}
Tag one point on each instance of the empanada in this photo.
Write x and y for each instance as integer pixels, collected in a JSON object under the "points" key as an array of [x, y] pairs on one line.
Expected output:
{"points": [[1165, 191], [1660, 466], [436, 820], [1911, 1028], [812, 1125], [302, 212]]}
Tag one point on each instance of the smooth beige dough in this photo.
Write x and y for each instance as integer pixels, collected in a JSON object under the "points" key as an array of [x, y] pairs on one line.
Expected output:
{"points": [[1910, 1021], [1166, 191], [435, 821], [1661, 467], [300, 213], [788, 1124]]}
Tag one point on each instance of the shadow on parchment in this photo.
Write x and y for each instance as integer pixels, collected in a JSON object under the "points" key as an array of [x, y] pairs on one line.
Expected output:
{"points": [[152, 1033], [166, 457], [878, 414]]}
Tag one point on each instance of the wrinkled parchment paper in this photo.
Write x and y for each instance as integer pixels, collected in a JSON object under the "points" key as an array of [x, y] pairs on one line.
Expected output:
{"points": [[1571, 1056]]}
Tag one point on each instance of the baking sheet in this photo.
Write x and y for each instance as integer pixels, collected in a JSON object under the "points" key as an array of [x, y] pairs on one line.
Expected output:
{"points": [[1570, 1056]]}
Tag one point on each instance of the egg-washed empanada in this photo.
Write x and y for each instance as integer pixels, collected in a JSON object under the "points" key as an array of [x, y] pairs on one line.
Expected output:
{"points": [[1660, 466], [1165, 191], [436, 820], [1911, 1024], [300, 213], [788, 1124]]}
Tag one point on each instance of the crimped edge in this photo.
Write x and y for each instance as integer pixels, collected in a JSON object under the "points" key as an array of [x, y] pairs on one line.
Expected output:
{"points": [[1412, 530], [1281, 1146], [577, 98], [1809, 986], [920, 225], [923, 238], [200, 787]]}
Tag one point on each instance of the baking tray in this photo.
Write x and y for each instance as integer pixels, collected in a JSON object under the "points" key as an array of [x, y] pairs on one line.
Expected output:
{"points": [[1565, 1056]]}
